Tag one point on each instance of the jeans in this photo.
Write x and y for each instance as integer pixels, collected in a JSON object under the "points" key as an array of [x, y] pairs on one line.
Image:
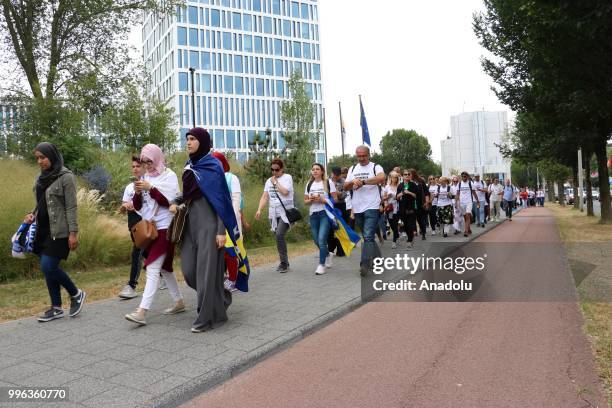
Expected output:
{"points": [[319, 226], [480, 213], [508, 208], [393, 220], [281, 245], [136, 266], [433, 217], [368, 223], [56, 278]]}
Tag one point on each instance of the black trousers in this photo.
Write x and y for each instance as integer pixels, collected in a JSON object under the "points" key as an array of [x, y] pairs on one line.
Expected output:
{"points": [[421, 218], [137, 256], [410, 221], [393, 221], [433, 217]]}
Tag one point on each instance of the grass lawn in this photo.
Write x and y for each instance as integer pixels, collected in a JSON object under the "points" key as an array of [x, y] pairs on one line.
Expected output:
{"points": [[29, 297], [589, 249]]}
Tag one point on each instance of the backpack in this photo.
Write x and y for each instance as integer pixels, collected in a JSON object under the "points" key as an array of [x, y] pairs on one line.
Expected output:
{"points": [[448, 190]]}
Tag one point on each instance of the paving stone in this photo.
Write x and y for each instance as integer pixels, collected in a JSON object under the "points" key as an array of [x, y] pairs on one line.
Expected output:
{"points": [[165, 385], [22, 370], [86, 387], [119, 397], [154, 359], [53, 377], [189, 367], [104, 369], [73, 361], [139, 378]]}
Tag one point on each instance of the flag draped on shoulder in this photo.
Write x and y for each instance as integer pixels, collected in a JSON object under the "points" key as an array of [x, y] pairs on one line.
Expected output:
{"points": [[345, 235], [211, 180], [365, 133]]}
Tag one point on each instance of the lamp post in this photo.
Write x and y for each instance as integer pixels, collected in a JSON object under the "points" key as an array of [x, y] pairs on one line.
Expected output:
{"points": [[193, 113]]}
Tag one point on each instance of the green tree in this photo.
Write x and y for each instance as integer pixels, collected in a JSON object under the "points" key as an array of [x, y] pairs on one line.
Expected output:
{"points": [[138, 121], [262, 151], [539, 51], [301, 132], [407, 149]]}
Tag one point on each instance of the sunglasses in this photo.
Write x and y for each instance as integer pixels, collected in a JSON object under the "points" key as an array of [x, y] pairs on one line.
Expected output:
{"points": [[275, 168], [146, 161], [406, 175]]}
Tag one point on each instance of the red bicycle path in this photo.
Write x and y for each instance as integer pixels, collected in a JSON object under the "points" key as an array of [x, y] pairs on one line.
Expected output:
{"points": [[418, 354]]}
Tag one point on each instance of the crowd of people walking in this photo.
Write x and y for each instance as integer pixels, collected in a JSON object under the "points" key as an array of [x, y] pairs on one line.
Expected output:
{"points": [[208, 215]]}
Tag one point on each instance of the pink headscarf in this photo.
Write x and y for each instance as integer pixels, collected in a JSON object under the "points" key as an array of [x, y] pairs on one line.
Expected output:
{"points": [[153, 152]]}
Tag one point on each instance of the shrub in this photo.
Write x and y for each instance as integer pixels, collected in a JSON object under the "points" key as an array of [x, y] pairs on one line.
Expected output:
{"points": [[98, 178]]}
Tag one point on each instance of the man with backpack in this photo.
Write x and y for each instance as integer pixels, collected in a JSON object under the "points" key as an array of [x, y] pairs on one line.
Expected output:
{"points": [[363, 180]]}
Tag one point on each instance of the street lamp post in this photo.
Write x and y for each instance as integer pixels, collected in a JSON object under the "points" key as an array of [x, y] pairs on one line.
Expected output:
{"points": [[193, 113]]}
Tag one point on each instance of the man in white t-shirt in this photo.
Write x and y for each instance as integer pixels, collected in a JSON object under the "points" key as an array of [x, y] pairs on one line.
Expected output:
{"points": [[129, 291], [364, 179], [467, 200], [481, 193], [496, 191]]}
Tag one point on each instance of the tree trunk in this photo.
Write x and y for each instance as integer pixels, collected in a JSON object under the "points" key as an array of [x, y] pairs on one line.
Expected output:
{"points": [[551, 191], [589, 185], [561, 193], [577, 195], [604, 186]]}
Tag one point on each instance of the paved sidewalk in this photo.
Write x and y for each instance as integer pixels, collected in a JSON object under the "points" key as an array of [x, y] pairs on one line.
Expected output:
{"points": [[106, 361]]}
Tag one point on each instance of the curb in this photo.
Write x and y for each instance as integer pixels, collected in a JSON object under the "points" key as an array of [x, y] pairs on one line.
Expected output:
{"points": [[217, 376], [184, 393]]}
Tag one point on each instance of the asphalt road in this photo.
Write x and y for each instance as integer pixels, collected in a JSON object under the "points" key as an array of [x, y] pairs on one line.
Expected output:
{"points": [[418, 354]]}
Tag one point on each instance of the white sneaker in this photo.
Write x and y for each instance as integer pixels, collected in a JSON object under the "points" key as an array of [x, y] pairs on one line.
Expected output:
{"points": [[162, 284], [433, 232], [393, 246], [410, 245], [320, 270], [128, 292], [329, 260]]}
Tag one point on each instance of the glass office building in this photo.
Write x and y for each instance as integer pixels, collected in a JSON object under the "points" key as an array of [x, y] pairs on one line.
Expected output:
{"points": [[243, 52]]}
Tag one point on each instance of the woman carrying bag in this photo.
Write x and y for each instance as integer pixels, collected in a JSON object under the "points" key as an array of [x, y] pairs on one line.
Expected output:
{"points": [[152, 198], [57, 229]]}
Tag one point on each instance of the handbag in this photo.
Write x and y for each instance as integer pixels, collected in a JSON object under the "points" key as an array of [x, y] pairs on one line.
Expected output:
{"points": [[389, 208], [177, 225], [293, 214], [144, 232]]}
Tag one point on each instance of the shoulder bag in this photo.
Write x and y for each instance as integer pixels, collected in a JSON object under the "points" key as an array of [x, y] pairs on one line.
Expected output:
{"points": [[293, 214], [145, 232]]}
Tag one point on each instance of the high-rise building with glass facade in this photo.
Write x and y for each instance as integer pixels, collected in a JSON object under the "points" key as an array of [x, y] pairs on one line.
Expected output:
{"points": [[243, 52]]}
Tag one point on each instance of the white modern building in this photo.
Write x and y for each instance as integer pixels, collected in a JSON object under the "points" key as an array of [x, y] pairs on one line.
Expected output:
{"points": [[243, 52], [472, 145]]}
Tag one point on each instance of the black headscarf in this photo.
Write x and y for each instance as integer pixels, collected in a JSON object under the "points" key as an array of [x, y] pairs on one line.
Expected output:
{"points": [[205, 143], [57, 168]]}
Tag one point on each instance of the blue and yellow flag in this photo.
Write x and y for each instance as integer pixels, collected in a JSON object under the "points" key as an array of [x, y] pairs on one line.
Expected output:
{"points": [[244, 270], [345, 235]]}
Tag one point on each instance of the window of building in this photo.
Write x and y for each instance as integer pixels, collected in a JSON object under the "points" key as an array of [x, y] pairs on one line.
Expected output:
{"points": [[227, 40], [193, 37], [193, 15], [215, 18], [259, 87], [248, 43], [252, 135], [239, 88], [307, 53], [194, 59], [306, 31], [238, 64], [269, 66], [219, 141], [297, 49], [279, 89], [258, 45], [278, 67], [287, 28], [228, 84], [267, 25], [276, 9], [181, 35], [256, 5], [237, 21], [183, 81], [225, 3], [316, 72], [206, 83], [295, 9], [206, 61], [231, 139], [305, 11], [247, 22]]}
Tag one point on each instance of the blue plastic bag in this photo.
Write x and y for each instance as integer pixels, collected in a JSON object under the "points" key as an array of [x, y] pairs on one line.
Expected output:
{"points": [[23, 240]]}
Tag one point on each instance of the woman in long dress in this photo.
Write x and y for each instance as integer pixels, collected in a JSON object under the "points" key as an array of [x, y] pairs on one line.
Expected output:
{"points": [[210, 215]]}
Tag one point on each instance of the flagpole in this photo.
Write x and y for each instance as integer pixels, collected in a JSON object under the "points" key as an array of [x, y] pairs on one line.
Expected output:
{"points": [[325, 135], [360, 110], [341, 127]]}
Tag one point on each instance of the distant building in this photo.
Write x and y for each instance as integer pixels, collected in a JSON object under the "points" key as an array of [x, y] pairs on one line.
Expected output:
{"points": [[243, 52], [472, 144]]}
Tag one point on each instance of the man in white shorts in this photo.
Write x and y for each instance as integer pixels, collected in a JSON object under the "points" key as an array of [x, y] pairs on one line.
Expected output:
{"points": [[467, 199]]}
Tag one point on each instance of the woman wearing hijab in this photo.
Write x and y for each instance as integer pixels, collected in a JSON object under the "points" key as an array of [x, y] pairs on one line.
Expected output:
{"points": [[57, 229], [152, 198], [209, 216]]}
